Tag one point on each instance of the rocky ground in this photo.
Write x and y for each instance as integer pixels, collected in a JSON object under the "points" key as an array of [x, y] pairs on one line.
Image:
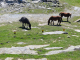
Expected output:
{"points": [[19, 8]]}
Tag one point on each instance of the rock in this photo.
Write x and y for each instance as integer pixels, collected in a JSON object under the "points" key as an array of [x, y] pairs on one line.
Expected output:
{"points": [[68, 36], [65, 33], [59, 37], [77, 20], [9, 58], [10, 22]]}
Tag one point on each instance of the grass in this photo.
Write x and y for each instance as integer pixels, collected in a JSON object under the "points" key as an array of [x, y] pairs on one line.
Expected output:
{"points": [[71, 2], [38, 11], [34, 36]]}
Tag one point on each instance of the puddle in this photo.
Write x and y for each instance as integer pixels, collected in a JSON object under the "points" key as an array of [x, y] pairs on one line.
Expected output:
{"points": [[55, 32]]}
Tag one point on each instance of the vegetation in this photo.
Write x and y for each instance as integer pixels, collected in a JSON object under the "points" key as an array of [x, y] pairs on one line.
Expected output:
{"points": [[34, 36], [71, 2], [38, 11]]}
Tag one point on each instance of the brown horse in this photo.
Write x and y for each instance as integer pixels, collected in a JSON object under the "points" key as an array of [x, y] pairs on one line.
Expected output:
{"points": [[55, 18], [65, 15]]}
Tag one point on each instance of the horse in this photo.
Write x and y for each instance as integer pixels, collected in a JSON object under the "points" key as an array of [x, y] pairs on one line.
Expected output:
{"points": [[65, 15], [55, 18], [25, 21]]}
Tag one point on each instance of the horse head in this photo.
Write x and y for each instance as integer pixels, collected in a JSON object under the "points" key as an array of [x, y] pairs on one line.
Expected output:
{"points": [[30, 26], [48, 21], [70, 15], [20, 20]]}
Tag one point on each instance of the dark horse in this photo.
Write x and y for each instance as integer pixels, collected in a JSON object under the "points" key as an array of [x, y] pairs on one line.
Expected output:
{"points": [[55, 18], [24, 20], [65, 15]]}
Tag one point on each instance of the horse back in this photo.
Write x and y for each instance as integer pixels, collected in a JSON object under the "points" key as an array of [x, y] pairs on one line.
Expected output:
{"points": [[65, 14], [24, 20], [55, 17]]}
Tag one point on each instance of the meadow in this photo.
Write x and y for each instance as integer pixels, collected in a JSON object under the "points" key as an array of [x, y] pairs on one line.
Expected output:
{"points": [[35, 37]]}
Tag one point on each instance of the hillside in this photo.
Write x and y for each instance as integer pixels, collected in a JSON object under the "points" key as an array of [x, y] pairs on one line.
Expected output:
{"points": [[71, 2], [38, 8]]}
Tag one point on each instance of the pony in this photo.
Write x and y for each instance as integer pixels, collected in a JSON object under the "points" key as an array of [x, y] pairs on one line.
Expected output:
{"points": [[55, 18], [25, 21], [65, 15]]}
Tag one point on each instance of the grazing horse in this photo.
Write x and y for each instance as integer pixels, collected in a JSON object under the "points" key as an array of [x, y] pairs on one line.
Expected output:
{"points": [[24, 20], [65, 15], [55, 18]]}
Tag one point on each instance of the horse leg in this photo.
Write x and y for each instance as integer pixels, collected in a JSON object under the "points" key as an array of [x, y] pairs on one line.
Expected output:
{"points": [[57, 22], [25, 24], [61, 18], [67, 18], [22, 24], [53, 22]]}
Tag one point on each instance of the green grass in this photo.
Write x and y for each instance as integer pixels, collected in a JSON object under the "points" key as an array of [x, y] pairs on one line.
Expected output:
{"points": [[34, 36], [71, 2], [38, 11]]}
